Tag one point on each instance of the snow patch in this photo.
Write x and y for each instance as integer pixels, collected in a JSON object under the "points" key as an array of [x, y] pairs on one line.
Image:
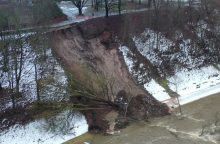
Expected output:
{"points": [[187, 81], [195, 84], [152, 87], [70, 10], [125, 51], [191, 85], [39, 132], [150, 42], [156, 90]]}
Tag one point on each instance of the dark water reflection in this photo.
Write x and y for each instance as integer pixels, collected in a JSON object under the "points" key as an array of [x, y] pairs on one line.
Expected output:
{"points": [[199, 125]]}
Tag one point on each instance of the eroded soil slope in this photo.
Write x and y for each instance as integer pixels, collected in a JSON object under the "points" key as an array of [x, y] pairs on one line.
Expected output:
{"points": [[89, 61]]}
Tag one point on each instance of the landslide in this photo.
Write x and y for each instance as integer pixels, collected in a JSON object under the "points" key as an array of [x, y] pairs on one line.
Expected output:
{"points": [[86, 55], [89, 50], [90, 53]]}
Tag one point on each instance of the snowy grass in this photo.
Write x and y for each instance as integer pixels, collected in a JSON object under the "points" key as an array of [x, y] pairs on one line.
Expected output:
{"points": [[152, 87], [49, 69], [160, 50], [187, 82], [195, 84], [156, 90], [149, 42], [70, 10], [125, 51], [39, 132], [191, 84]]}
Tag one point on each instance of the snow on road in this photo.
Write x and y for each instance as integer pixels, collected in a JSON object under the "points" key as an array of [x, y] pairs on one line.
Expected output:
{"points": [[70, 10]]}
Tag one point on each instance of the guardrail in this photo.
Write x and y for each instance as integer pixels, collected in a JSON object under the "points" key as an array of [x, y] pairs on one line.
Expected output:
{"points": [[54, 27]]}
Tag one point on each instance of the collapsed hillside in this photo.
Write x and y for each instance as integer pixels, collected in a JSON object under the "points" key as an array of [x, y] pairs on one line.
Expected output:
{"points": [[154, 45], [98, 75], [89, 60]]}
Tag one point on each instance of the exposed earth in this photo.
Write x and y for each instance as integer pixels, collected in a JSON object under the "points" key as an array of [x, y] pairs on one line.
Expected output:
{"points": [[110, 62]]}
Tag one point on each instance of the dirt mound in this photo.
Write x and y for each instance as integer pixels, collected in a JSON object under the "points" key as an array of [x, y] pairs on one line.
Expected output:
{"points": [[93, 64], [144, 107]]}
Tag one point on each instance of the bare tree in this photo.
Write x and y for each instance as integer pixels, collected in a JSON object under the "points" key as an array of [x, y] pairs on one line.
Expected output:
{"points": [[108, 6], [16, 58], [79, 4], [36, 80], [119, 6], [149, 3], [96, 4], [14, 62]]}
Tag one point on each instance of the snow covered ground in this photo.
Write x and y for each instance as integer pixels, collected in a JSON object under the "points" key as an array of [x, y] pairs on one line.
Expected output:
{"points": [[27, 82], [195, 84], [88, 13], [70, 10], [43, 131], [191, 85], [50, 69], [156, 90], [16, 36], [186, 82], [157, 48]]}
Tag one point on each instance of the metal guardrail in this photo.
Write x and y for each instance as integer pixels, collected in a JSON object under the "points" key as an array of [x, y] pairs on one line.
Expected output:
{"points": [[54, 27]]}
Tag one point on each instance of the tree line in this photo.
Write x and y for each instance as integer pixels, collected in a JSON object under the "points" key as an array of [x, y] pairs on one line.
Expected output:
{"points": [[28, 71]]}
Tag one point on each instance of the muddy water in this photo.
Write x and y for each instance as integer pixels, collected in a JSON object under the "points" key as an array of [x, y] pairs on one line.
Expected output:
{"points": [[198, 125]]}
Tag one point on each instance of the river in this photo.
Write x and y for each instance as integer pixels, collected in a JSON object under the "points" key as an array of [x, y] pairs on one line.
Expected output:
{"points": [[199, 124]]}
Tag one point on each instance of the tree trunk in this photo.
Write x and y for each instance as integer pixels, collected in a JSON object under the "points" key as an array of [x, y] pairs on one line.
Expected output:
{"points": [[17, 86], [80, 11], [106, 13], [106, 8], [37, 83], [119, 7], [139, 2], [13, 99], [1, 86], [101, 4], [149, 3]]}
